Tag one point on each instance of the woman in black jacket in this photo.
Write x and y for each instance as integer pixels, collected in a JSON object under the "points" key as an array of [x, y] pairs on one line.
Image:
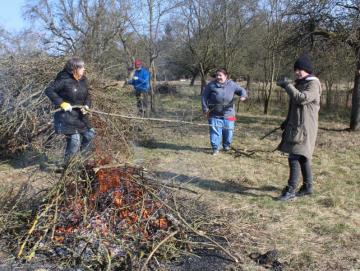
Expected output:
{"points": [[70, 89]]}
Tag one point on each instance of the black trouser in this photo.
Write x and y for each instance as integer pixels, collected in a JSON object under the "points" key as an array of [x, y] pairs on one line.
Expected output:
{"points": [[142, 102], [297, 163]]}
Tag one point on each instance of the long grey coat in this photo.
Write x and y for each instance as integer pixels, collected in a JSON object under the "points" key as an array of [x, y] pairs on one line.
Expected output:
{"points": [[301, 128]]}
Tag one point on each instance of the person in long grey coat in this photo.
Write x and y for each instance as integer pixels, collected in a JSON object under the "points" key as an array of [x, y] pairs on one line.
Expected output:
{"points": [[300, 127]]}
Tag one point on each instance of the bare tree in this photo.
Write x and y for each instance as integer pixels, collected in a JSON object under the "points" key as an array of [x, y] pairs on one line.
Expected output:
{"points": [[234, 17], [148, 19], [199, 25], [334, 65], [177, 58], [272, 45], [81, 27], [23, 42], [326, 20], [211, 34]]}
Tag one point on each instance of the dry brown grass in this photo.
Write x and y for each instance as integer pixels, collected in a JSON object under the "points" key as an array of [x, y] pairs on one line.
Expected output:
{"points": [[312, 233]]}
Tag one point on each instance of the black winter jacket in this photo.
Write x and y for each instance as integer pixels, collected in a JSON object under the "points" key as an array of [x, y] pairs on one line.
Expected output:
{"points": [[66, 89]]}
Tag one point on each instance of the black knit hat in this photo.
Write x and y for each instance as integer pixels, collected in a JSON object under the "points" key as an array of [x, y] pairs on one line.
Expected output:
{"points": [[303, 63]]}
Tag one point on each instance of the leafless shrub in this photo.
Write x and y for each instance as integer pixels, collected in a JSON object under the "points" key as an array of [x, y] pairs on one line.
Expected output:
{"points": [[24, 112]]}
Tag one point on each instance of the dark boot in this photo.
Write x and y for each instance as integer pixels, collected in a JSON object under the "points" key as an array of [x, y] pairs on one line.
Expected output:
{"points": [[305, 189], [287, 193]]}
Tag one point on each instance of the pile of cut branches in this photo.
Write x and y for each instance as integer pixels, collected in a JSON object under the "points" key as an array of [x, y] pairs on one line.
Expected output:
{"points": [[103, 217], [111, 217], [24, 112]]}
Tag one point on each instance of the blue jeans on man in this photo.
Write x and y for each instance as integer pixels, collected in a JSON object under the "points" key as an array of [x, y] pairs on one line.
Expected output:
{"points": [[221, 132], [78, 142]]}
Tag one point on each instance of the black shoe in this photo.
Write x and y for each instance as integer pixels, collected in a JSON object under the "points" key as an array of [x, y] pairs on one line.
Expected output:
{"points": [[287, 194], [305, 189]]}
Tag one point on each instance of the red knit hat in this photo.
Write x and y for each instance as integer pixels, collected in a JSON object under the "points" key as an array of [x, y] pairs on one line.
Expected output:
{"points": [[137, 63]]}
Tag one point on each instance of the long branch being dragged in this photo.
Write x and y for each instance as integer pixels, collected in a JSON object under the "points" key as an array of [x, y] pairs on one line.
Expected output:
{"points": [[105, 218]]}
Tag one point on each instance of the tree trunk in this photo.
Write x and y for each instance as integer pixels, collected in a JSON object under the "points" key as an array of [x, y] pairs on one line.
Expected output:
{"points": [[203, 79], [248, 82], [348, 99], [192, 82], [259, 90], [268, 91], [152, 85], [328, 85], [203, 83], [193, 77], [151, 56], [355, 109], [266, 105]]}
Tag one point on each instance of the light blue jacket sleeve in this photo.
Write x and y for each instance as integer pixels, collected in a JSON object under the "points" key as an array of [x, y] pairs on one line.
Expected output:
{"points": [[240, 91]]}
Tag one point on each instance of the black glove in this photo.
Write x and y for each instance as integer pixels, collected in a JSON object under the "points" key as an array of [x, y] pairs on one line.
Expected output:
{"points": [[282, 83], [283, 125]]}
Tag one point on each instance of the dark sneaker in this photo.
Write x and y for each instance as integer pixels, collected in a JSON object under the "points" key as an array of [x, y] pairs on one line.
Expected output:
{"points": [[227, 148], [215, 152], [305, 189], [287, 194]]}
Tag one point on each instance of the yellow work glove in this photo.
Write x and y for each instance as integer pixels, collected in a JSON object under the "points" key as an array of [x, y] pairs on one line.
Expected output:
{"points": [[66, 106]]}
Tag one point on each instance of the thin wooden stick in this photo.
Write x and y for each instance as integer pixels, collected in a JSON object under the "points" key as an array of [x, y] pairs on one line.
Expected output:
{"points": [[156, 248], [195, 231]]}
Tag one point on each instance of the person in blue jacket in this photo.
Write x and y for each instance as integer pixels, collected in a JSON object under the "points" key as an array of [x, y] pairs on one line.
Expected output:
{"points": [[218, 106], [141, 83]]}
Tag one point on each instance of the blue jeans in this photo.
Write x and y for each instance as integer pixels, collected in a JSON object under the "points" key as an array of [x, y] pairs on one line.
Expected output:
{"points": [[221, 131], [78, 142]]}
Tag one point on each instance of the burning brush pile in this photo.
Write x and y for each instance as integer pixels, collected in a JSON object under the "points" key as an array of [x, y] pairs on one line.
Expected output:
{"points": [[112, 217]]}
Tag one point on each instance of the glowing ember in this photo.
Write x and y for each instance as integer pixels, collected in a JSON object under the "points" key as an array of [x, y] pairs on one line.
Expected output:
{"points": [[127, 207]]}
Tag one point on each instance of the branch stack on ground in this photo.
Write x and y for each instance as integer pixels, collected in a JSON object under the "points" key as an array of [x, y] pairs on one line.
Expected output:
{"points": [[113, 216]]}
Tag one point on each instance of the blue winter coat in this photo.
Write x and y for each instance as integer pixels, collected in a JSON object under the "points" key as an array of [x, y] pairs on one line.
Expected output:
{"points": [[218, 99], [142, 84]]}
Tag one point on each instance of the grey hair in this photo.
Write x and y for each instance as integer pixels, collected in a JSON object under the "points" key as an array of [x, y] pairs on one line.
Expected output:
{"points": [[74, 63]]}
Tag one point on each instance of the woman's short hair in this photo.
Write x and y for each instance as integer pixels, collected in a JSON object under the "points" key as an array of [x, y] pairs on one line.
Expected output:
{"points": [[222, 70], [74, 63]]}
